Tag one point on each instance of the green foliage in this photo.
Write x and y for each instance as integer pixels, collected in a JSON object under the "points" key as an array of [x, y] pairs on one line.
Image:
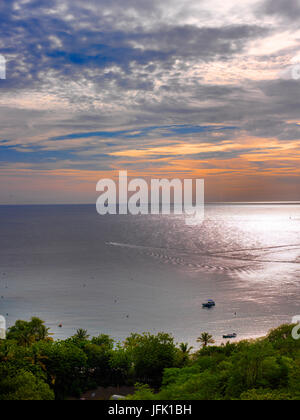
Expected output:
{"points": [[65, 365], [34, 367], [282, 340], [81, 335], [122, 366], [150, 355], [265, 395], [294, 378], [104, 341], [205, 339], [143, 393], [255, 366], [188, 386], [184, 354], [266, 369], [27, 333], [25, 386]]}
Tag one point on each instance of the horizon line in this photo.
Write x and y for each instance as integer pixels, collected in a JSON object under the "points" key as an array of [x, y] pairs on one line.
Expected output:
{"points": [[285, 202]]}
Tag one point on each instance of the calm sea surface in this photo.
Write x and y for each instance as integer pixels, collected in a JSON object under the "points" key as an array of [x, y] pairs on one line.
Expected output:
{"points": [[123, 274]]}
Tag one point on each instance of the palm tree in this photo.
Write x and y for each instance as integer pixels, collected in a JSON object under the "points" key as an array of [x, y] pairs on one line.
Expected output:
{"points": [[82, 334], [38, 329], [205, 339], [22, 334], [27, 333], [185, 352], [184, 347]]}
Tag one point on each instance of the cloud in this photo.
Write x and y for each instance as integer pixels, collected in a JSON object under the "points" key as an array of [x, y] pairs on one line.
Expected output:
{"points": [[288, 9], [62, 40], [162, 131], [90, 82]]}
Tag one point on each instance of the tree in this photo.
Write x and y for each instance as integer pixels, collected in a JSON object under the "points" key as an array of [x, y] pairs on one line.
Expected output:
{"points": [[26, 333], [121, 365], [265, 395], [150, 355], [205, 339], [65, 365], [32, 366], [38, 329], [184, 353], [183, 384], [103, 340], [254, 366], [99, 371], [36, 357], [143, 393], [184, 347], [192, 386], [25, 387], [21, 333], [280, 334], [81, 335], [282, 339]]}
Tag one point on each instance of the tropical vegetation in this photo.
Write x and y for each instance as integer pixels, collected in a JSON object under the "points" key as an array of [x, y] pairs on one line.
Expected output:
{"points": [[33, 366]]}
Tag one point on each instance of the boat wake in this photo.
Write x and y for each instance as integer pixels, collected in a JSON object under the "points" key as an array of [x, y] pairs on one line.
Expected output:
{"points": [[186, 259], [214, 261]]}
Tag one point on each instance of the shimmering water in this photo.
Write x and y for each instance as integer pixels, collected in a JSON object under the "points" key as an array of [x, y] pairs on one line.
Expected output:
{"points": [[121, 274]]}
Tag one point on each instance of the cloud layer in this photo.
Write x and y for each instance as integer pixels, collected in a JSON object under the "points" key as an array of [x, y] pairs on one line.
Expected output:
{"points": [[185, 87]]}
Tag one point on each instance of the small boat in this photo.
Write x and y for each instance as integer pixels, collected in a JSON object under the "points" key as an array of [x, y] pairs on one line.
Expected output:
{"points": [[228, 336], [209, 304]]}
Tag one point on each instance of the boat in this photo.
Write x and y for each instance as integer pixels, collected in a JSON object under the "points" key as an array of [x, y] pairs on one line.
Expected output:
{"points": [[228, 336], [209, 304]]}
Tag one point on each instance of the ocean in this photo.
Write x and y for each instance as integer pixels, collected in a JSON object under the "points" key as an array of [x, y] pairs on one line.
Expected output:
{"points": [[122, 274]]}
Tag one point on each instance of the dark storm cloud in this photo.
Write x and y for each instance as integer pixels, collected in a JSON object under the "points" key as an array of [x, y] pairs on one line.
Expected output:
{"points": [[289, 9]]}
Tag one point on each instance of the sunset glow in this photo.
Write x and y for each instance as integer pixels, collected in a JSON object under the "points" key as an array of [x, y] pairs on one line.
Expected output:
{"points": [[155, 89]]}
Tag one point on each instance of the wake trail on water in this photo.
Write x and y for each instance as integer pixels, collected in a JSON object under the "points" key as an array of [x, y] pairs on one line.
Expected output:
{"points": [[162, 254], [239, 264], [219, 254]]}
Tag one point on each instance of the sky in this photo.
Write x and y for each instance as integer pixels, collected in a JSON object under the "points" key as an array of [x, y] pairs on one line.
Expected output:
{"points": [[163, 89]]}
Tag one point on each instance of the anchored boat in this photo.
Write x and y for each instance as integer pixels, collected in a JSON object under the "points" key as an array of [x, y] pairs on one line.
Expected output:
{"points": [[228, 336], [209, 304]]}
